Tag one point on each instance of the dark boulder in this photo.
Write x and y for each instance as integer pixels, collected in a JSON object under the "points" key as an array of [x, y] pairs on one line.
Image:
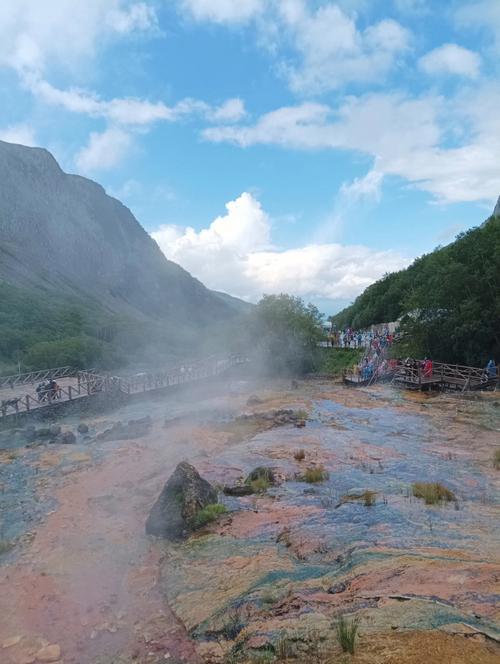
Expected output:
{"points": [[182, 497], [83, 428], [337, 588], [66, 438], [239, 490]]}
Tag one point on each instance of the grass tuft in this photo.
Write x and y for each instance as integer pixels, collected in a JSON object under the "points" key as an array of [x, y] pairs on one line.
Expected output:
{"points": [[347, 633], [496, 459], [299, 455], [208, 514], [432, 492], [6, 545], [260, 485], [315, 475], [369, 498]]}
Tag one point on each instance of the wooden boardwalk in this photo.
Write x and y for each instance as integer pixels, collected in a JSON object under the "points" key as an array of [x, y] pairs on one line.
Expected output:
{"points": [[77, 385], [450, 377]]}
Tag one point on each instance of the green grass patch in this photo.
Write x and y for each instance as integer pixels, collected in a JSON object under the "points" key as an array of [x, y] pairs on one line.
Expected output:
{"points": [[336, 360], [6, 545], [347, 632], [260, 485], [209, 514], [315, 475], [432, 493]]}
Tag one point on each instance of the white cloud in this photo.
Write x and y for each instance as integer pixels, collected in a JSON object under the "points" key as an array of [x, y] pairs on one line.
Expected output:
{"points": [[480, 15], [34, 33], [104, 150], [407, 137], [223, 11], [451, 59], [234, 254], [367, 187], [130, 111], [22, 134], [231, 110], [333, 51]]}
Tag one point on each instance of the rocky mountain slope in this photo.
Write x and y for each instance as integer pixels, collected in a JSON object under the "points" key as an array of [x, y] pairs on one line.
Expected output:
{"points": [[63, 234]]}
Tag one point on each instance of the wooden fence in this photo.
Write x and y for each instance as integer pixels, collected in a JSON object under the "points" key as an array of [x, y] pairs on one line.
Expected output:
{"points": [[89, 383], [36, 376]]}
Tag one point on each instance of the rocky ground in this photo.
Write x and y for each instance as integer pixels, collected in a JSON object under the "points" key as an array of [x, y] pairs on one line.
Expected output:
{"points": [[82, 583]]}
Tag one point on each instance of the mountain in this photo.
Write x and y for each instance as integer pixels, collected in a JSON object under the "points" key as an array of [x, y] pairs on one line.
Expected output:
{"points": [[65, 243], [63, 232], [448, 300]]}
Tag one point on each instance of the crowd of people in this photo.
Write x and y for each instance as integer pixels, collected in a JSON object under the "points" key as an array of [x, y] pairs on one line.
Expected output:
{"points": [[368, 339]]}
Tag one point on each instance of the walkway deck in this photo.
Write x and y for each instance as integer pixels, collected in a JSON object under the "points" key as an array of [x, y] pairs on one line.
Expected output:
{"points": [[86, 384]]}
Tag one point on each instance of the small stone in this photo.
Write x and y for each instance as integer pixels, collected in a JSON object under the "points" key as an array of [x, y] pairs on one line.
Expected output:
{"points": [[50, 653], [12, 641], [83, 428], [68, 438], [337, 588], [55, 429]]}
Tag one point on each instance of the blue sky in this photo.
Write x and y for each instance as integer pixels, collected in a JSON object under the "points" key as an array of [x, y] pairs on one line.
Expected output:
{"points": [[306, 146]]}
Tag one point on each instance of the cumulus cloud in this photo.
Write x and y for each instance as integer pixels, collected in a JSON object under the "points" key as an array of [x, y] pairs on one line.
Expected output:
{"points": [[406, 137], [223, 11], [333, 51], [451, 59], [33, 34], [104, 150], [22, 134], [234, 254]]}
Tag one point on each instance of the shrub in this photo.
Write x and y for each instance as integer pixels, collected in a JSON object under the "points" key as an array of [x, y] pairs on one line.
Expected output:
{"points": [[496, 459], [432, 492], [208, 514], [301, 414], [299, 455], [314, 475], [346, 634]]}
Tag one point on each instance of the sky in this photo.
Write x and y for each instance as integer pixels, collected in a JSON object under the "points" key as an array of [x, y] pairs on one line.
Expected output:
{"points": [[300, 146]]}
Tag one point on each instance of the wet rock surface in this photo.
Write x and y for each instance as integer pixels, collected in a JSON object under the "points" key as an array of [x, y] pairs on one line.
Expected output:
{"points": [[182, 497], [423, 580], [129, 431]]}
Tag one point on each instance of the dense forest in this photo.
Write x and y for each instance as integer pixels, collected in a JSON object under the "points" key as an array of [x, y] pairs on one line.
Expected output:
{"points": [[448, 301]]}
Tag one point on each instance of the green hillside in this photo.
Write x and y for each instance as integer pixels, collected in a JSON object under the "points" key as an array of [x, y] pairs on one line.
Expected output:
{"points": [[448, 300]]}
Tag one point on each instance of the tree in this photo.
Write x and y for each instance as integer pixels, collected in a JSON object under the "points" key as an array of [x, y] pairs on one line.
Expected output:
{"points": [[286, 332]]}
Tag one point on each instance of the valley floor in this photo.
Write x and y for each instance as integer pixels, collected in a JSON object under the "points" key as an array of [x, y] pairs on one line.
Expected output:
{"points": [[84, 585]]}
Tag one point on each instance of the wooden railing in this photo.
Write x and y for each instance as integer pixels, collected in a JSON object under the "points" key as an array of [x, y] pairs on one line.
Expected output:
{"points": [[36, 376], [89, 383], [459, 375]]}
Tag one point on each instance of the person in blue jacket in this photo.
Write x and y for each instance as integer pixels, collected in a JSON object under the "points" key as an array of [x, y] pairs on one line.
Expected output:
{"points": [[491, 369]]}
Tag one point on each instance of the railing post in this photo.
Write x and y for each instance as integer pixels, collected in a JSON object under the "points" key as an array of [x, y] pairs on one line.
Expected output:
{"points": [[70, 396]]}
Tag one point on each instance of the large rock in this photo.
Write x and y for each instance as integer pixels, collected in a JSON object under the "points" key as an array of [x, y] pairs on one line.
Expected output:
{"points": [[182, 497]]}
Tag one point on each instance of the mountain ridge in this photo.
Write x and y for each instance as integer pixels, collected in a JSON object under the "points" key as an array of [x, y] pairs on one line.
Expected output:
{"points": [[65, 233]]}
